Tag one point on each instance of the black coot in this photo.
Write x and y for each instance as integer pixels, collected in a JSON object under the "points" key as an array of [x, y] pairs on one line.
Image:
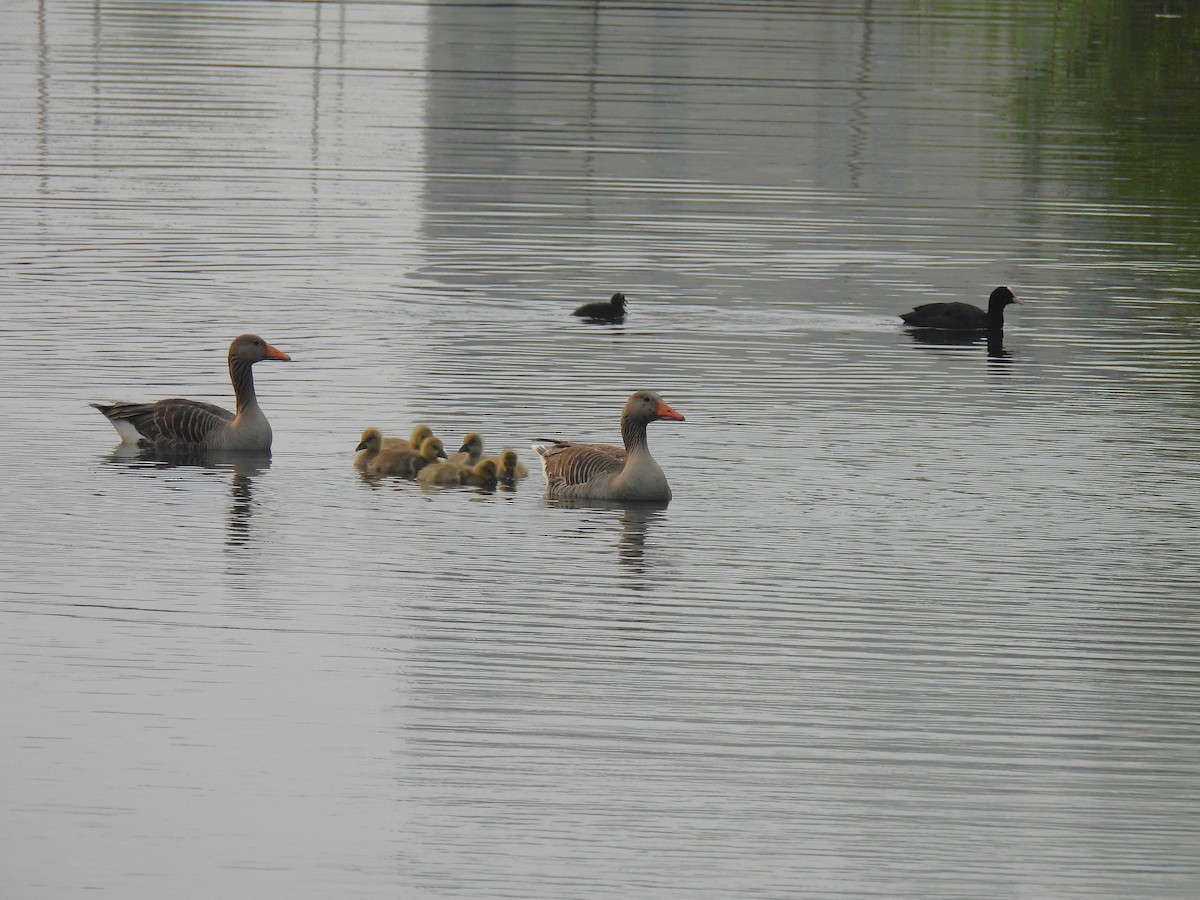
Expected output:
{"points": [[962, 316], [612, 311]]}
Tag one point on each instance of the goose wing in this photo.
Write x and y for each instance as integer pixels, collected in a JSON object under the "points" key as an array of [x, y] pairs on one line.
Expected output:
{"points": [[567, 463], [171, 421]]}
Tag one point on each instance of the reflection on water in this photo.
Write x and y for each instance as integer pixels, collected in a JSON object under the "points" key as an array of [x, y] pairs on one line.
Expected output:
{"points": [[1108, 88], [633, 523], [993, 341], [242, 468], [908, 628]]}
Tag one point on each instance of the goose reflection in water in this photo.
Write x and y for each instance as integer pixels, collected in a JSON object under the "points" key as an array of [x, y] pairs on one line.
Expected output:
{"points": [[635, 521], [244, 468]]}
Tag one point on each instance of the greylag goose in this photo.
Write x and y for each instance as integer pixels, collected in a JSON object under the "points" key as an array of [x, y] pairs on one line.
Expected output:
{"points": [[957, 316], [177, 424], [612, 311], [509, 469], [601, 472], [404, 461], [470, 452]]}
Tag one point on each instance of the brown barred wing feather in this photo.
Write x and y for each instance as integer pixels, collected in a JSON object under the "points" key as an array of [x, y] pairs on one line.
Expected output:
{"points": [[567, 464], [188, 422], [168, 423]]}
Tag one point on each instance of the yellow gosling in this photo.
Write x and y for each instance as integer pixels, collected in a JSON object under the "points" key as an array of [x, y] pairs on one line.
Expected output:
{"points": [[414, 442], [509, 468], [482, 473], [470, 452], [406, 462], [442, 474], [368, 448]]}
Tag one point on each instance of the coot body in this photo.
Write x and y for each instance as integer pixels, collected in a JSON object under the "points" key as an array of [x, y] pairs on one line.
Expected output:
{"points": [[957, 316], [612, 311]]}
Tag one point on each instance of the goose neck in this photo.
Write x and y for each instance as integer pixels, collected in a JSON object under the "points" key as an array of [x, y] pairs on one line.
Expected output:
{"points": [[241, 373], [633, 433]]}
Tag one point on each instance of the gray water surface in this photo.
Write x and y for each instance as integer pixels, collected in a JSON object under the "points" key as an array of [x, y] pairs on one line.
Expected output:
{"points": [[921, 619]]}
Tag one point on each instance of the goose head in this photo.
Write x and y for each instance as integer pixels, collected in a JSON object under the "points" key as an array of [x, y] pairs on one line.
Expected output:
{"points": [[251, 348], [648, 406]]}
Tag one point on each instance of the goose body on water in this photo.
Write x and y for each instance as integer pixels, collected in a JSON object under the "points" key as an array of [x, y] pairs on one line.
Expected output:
{"points": [[611, 311], [177, 424], [955, 316], [602, 472]]}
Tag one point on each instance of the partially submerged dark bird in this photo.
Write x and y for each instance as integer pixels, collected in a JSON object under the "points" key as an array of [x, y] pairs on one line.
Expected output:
{"points": [[177, 424], [602, 472], [612, 311], [962, 316]]}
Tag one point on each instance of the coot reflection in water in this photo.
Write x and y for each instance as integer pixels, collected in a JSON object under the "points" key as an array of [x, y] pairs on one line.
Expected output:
{"points": [[994, 340], [244, 468]]}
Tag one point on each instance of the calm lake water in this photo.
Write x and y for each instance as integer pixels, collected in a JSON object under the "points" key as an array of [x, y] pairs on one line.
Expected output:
{"points": [[922, 618]]}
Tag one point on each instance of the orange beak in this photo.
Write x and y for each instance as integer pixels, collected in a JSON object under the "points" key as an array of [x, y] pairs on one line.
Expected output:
{"points": [[274, 353], [665, 412]]}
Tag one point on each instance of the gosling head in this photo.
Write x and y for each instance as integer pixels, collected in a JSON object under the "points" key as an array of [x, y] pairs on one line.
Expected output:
{"points": [[419, 435], [508, 463], [432, 448], [472, 444], [485, 472], [372, 439]]}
